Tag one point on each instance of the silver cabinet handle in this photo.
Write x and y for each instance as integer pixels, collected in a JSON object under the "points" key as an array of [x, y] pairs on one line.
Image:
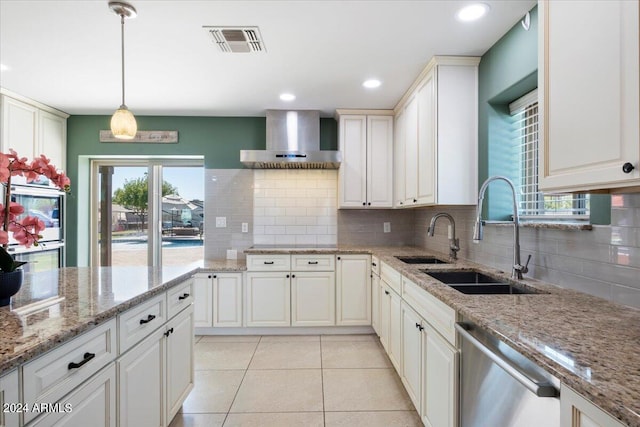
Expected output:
{"points": [[540, 389]]}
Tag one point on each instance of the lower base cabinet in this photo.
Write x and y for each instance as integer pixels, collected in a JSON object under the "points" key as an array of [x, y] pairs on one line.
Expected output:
{"points": [[353, 290], [9, 394], [93, 404], [412, 356], [268, 299], [391, 324], [313, 295], [576, 411], [218, 300], [156, 375], [375, 303], [439, 380]]}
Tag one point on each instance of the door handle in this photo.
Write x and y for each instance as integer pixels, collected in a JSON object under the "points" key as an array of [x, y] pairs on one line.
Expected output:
{"points": [[87, 357], [148, 319]]}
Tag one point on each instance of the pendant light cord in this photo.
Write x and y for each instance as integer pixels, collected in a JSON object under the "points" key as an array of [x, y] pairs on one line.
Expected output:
{"points": [[122, 50]]}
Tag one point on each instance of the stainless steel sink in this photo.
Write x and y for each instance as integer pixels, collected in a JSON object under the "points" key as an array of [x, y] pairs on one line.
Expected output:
{"points": [[421, 260], [476, 283]]}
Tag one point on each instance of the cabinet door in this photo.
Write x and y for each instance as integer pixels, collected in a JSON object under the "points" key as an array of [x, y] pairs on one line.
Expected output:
{"points": [[399, 161], [375, 303], [589, 108], [411, 152], [353, 288], [227, 299], [9, 394], [385, 314], [440, 381], [203, 301], [380, 161], [19, 127], [575, 410], [427, 134], [179, 356], [352, 175], [313, 296], [141, 382], [411, 374], [92, 404], [53, 138], [395, 331], [268, 299]]}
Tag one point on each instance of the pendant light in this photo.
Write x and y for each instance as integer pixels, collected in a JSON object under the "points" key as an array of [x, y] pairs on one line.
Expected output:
{"points": [[123, 123]]}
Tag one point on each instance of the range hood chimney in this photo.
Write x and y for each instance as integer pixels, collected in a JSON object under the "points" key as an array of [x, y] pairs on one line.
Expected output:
{"points": [[293, 142]]}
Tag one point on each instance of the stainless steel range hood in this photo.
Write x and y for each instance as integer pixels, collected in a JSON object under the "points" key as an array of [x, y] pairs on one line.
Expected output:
{"points": [[293, 142]]}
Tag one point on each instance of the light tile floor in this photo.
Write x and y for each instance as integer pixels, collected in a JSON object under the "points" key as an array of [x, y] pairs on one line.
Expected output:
{"points": [[281, 381]]}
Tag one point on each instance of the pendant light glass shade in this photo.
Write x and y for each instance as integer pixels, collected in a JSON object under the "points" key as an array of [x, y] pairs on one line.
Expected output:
{"points": [[123, 124]]}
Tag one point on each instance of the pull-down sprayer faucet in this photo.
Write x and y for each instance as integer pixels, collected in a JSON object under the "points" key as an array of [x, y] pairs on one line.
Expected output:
{"points": [[518, 269], [454, 243]]}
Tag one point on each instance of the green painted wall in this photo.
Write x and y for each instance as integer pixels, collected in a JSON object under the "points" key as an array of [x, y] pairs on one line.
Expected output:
{"points": [[507, 71], [218, 139]]}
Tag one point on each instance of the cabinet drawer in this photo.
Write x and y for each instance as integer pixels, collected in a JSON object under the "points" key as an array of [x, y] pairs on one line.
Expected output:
{"points": [[179, 297], [268, 262], [140, 321], [391, 277], [375, 265], [313, 262], [51, 376], [439, 315]]}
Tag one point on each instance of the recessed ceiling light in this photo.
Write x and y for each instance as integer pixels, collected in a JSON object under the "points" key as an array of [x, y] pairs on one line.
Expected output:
{"points": [[472, 12], [372, 83], [287, 97], [4, 67]]}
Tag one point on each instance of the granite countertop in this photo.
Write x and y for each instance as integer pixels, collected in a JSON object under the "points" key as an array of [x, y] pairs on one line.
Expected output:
{"points": [[55, 306]]}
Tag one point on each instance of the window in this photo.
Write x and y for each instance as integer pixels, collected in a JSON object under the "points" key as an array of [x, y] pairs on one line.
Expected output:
{"points": [[533, 203]]}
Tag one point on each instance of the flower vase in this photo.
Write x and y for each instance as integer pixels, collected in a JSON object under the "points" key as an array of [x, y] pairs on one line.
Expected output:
{"points": [[10, 284]]}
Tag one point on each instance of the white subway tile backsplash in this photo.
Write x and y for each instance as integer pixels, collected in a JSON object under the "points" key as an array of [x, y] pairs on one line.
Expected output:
{"points": [[296, 206]]}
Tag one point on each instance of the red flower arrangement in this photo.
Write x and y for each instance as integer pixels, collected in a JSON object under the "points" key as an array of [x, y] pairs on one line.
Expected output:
{"points": [[26, 231]]}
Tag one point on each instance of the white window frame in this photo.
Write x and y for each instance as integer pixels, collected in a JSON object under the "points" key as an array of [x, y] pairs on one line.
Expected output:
{"points": [[154, 219], [532, 202]]}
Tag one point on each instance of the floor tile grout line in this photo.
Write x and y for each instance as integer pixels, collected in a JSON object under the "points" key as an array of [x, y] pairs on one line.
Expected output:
{"points": [[324, 409], [241, 381]]}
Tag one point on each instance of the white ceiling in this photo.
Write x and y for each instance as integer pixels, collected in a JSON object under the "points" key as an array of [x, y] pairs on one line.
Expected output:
{"points": [[66, 54]]}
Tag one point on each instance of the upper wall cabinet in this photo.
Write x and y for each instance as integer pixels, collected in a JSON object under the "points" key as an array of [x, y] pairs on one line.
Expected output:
{"points": [[436, 145], [365, 178], [31, 128], [588, 95]]}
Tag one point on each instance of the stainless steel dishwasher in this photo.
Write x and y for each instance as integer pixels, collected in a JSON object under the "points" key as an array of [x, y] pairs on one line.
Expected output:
{"points": [[499, 387]]}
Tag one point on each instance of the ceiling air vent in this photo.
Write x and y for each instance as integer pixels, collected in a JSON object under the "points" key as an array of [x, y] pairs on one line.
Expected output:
{"points": [[236, 39]]}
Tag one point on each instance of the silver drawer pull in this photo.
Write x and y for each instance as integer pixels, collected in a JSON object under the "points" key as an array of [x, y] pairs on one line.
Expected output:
{"points": [[87, 356]]}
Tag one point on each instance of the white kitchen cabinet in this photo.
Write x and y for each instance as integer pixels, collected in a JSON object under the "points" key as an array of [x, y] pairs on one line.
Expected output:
{"points": [[375, 297], [203, 301], [411, 374], [268, 299], [227, 299], [141, 376], [9, 394], [32, 128], [439, 114], [575, 410], [365, 178], [178, 338], [353, 289], [589, 95], [92, 404], [313, 296], [439, 380], [399, 160], [391, 324], [384, 324]]}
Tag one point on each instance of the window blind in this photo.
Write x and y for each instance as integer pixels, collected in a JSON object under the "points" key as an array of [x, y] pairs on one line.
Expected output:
{"points": [[534, 204]]}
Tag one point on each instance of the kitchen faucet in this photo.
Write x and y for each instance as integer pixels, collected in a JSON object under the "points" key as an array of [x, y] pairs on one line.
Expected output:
{"points": [[518, 269], [454, 243]]}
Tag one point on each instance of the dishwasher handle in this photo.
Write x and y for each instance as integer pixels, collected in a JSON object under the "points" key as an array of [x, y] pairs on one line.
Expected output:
{"points": [[540, 389]]}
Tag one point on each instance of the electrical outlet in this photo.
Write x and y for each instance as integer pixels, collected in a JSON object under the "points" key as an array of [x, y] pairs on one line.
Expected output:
{"points": [[245, 227], [387, 227], [221, 221]]}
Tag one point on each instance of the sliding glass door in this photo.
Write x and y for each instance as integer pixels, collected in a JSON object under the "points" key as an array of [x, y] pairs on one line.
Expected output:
{"points": [[147, 212]]}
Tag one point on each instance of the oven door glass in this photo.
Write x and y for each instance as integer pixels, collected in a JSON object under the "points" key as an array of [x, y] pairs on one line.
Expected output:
{"points": [[44, 204]]}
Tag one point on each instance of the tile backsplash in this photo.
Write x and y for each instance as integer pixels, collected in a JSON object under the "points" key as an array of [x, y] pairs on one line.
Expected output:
{"points": [[604, 261], [295, 206]]}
